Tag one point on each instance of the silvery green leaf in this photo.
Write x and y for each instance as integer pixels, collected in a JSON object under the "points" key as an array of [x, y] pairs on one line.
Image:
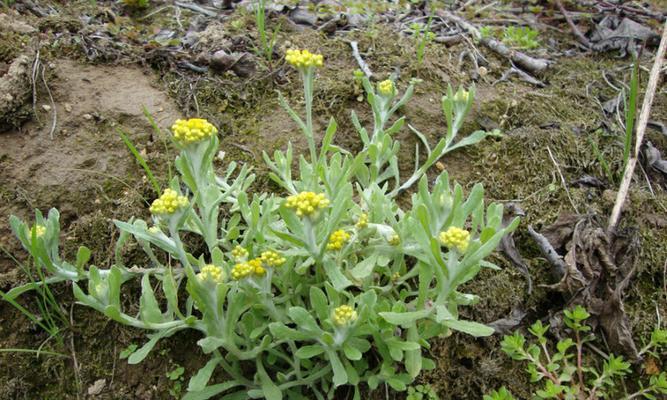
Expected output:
{"points": [[469, 327], [364, 268], [339, 373], [200, 379], [210, 391], [303, 319], [335, 275], [405, 319], [269, 389], [306, 352], [148, 306], [280, 331]]}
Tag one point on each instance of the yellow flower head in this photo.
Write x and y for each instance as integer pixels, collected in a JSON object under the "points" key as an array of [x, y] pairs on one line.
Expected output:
{"points": [[307, 203], [337, 240], [241, 270], [343, 315], [211, 273], [362, 222], [386, 88], [239, 253], [168, 203], [192, 130], [461, 96], [245, 269], [272, 258], [394, 240], [154, 230], [395, 276], [40, 230], [455, 238], [304, 58]]}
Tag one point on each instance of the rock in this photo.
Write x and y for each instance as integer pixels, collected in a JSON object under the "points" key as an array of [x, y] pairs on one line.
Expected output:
{"points": [[242, 64], [97, 387], [46, 107], [15, 91], [9, 23], [68, 107]]}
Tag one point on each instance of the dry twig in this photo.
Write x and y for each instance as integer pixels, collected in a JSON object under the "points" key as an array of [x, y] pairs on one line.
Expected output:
{"points": [[533, 65], [362, 64], [641, 129]]}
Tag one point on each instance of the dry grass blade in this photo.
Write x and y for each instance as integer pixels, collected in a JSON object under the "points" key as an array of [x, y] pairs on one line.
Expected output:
{"points": [[641, 129]]}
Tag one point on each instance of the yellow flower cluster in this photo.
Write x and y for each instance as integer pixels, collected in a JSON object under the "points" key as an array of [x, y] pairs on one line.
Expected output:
{"points": [[40, 230], [395, 240], [395, 276], [304, 58], [386, 87], [272, 258], [362, 222], [211, 273], [192, 130], [337, 240], [307, 203], [456, 238], [245, 269], [239, 253], [461, 96], [154, 230], [344, 315], [168, 203]]}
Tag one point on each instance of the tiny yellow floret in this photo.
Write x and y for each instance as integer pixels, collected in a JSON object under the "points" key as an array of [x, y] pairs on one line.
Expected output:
{"points": [[168, 203], [272, 258], [395, 276], [343, 315], [362, 222], [394, 240], [307, 203], [187, 131], [154, 230], [239, 253], [211, 273], [304, 58], [337, 240], [455, 238], [386, 88]]}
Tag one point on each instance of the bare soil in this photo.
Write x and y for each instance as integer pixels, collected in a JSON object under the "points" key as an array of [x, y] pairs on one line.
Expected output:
{"points": [[83, 168]]}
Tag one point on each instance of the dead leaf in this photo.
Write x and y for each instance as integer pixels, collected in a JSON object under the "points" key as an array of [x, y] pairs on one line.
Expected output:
{"points": [[598, 269]]}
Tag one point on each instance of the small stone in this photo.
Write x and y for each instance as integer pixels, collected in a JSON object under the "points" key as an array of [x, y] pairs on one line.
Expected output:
{"points": [[68, 107], [483, 71], [440, 166], [97, 387], [87, 117], [46, 107]]}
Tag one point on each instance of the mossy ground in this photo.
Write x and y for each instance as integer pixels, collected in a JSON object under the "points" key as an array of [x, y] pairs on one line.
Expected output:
{"points": [[563, 118]]}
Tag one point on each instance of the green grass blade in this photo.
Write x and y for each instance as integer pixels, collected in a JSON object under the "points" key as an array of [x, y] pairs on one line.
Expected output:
{"points": [[158, 133], [630, 112], [141, 161]]}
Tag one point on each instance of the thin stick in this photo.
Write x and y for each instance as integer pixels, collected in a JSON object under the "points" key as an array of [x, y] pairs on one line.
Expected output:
{"points": [[641, 129], [574, 28], [362, 64], [562, 180], [53, 105]]}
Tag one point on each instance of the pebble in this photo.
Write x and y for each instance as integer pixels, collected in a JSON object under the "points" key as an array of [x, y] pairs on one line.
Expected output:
{"points": [[87, 117], [46, 107], [68, 107]]}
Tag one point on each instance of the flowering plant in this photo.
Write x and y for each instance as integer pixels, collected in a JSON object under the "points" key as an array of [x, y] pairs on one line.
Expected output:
{"points": [[333, 284]]}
